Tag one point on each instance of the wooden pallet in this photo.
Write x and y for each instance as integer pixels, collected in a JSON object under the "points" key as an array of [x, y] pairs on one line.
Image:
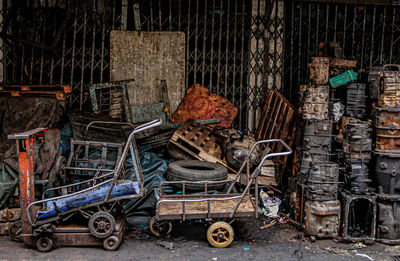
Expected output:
{"points": [[277, 122], [198, 142], [60, 92]]}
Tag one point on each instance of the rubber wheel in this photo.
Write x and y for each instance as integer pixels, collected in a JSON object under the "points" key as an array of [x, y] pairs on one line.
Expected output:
{"points": [[159, 229], [220, 234], [14, 231], [60, 164], [111, 243], [196, 170], [101, 224], [44, 244], [176, 153]]}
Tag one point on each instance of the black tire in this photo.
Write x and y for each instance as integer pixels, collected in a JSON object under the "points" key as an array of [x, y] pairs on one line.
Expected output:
{"points": [[177, 153], [15, 231], [44, 244], [101, 224], [196, 170], [111, 243]]}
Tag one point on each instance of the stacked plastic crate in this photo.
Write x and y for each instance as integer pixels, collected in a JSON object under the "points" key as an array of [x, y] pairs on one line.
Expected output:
{"points": [[387, 151]]}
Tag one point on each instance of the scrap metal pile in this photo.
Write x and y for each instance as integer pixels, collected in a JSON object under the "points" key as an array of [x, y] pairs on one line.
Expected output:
{"points": [[348, 157]]}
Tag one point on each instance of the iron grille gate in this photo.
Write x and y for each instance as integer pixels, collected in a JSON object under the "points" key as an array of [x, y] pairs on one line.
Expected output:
{"points": [[237, 48], [368, 33]]}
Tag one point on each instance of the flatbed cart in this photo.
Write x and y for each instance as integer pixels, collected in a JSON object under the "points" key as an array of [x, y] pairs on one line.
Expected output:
{"points": [[91, 216], [220, 210]]}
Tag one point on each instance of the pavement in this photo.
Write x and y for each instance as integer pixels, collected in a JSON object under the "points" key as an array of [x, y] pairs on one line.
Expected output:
{"points": [[280, 242]]}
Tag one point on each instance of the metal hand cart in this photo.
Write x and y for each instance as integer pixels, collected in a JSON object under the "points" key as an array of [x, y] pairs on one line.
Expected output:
{"points": [[49, 222], [218, 209]]}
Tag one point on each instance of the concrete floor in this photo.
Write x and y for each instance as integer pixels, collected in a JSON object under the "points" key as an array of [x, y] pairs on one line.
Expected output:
{"points": [[281, 242]]}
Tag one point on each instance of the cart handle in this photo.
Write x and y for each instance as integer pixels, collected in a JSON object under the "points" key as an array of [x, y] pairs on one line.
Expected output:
{"points": [[257, 171], [91, 124], [276, 154]]}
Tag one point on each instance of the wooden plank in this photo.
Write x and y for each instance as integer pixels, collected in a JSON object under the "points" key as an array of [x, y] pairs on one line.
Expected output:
{"points": [[264, 116], [225, 207], [149, 57]]}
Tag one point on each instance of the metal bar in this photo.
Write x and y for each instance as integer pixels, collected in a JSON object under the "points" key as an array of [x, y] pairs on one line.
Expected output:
{"points": [[203, 65], [124, 14], [151, 16], [363, 38], [103, 36], [82, 86], [160, 15], [336, 18], [136, 16], [317, 31], [354, 32], [227, 49], [196, 30], [391, 39], [383, 35], [170, 15], [212, 87], [300, 41], [219, 48], [187, 48], [234, 55], [344, 28], [242, 86], [373, 38], [326, 23], [73, 55]]}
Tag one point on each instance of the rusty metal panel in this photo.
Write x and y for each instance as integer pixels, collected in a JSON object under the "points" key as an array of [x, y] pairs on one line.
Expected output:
{"points": [[388, 216], [322, 218], [319, 70], [359, 217], [199, 104], [315, 101], [387, 170], [387, 128], [149, 57]]}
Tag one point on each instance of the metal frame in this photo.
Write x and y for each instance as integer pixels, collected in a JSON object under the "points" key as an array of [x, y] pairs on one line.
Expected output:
{"points": [[221, 197], [131, 147]]}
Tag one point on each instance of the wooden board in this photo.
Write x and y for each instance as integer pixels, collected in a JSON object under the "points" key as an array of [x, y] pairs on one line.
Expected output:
{"points": [[149, 57], [200, 209]]}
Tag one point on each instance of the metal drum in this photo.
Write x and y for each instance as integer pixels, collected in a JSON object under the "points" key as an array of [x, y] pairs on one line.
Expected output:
{"points": [[387, 129]]}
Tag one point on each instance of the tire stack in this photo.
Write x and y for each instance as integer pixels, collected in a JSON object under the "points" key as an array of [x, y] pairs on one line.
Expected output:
{"points": [[387, 152], [318, 176]]}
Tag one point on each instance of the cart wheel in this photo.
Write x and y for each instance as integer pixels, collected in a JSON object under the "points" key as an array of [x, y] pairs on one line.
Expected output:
{"points": [[14, 231], [101, 224], [111, 243], [220, 234], [60, 164], [44, 244], [159, 229]]}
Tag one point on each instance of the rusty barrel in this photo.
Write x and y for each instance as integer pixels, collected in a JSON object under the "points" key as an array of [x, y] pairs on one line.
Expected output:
{"points": [[387, 129]]}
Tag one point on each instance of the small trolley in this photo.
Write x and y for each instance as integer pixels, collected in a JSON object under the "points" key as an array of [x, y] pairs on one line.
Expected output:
{"points": [[220, 210]]}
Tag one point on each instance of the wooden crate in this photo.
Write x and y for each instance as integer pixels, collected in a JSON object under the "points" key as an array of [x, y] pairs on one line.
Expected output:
{"points": [[193, 139], [277, 122]]}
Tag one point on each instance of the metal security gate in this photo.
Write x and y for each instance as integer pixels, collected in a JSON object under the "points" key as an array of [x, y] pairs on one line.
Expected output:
{"points": [[59, 42], [368, 33]]}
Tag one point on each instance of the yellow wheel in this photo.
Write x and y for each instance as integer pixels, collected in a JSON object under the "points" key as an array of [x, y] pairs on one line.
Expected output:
{"points": [[158, 228], [220, 234]]}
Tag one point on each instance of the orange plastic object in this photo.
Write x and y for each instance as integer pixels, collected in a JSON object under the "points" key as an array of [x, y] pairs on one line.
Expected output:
{"points": [[199, 104]]}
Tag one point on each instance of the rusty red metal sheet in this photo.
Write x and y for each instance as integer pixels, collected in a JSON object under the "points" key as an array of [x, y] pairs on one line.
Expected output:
{"points": [[199, 104], [387, 128]]}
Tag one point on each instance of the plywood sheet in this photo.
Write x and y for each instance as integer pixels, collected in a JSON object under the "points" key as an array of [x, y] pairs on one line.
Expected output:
{"points": [[149, 57]]}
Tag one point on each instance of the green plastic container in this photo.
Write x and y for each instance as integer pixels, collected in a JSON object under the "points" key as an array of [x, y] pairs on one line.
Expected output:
{"points": [[343, 78]]}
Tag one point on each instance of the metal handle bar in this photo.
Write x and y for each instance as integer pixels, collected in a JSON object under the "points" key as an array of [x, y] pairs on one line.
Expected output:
{"points": [[148, 125], [257, 171], [78, 183], [106, 122]]}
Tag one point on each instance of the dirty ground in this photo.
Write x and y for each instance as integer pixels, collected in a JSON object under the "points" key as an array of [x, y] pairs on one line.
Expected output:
{"points": [[280, 242]]}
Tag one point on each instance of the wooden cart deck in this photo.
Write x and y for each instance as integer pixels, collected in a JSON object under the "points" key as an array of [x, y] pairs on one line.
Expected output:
{"points": [[169, 210]]}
